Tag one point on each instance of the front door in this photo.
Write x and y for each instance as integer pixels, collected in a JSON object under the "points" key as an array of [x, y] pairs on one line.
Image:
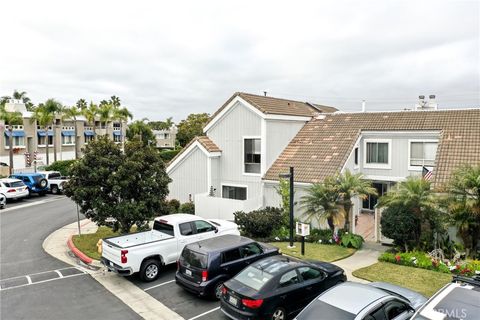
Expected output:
{"points": [[365, 221]]}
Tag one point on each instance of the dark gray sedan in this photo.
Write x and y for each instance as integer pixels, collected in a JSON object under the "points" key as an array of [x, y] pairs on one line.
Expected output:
{"points": [[373, 301]]}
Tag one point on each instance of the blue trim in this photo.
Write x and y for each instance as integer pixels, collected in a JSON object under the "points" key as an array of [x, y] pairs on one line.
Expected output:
{"points": [[15, 133], [117, 133], [89, 133], [41, 133], [68, 133]]}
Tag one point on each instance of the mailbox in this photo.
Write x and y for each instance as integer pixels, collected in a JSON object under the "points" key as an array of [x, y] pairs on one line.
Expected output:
{"points": [[303, 229]]}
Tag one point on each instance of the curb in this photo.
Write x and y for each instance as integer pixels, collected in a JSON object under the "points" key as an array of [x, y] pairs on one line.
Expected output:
{"points": [[77, 252]]}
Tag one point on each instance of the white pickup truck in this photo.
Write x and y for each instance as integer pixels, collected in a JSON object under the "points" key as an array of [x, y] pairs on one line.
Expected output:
{"points": [[55, 181], [145, 252]]}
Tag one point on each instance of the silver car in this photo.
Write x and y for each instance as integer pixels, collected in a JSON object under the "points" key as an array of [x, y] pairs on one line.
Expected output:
{"points": [[373, 301]]}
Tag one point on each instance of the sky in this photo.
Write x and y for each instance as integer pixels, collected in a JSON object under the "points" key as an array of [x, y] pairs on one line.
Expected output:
{"points": [[172, 58]]}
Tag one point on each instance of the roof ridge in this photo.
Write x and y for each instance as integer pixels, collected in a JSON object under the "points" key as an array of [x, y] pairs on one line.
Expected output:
{"points": [[271, 97]]}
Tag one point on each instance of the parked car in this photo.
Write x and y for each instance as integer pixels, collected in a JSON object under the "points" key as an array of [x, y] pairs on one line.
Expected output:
{"points": [[13, 188], [145, 252], [55, 181], [277, 287], [3, 201], [373, 301], [204, 266], [457, 300], [35, 182]]}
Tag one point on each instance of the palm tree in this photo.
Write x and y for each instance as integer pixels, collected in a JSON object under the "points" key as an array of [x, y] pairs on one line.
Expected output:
{"points": [[55, 108], [10, 119], [122, 114], [91, 114], [106, 114], [322, 202], [73, 113], [464, 205], [17, 95], [81, 104], [44, 118], [352, 185]]}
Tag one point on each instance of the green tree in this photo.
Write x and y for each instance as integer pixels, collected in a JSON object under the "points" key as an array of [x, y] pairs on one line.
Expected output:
{"points": [[91, 114], [55, 108], [10, 119], [399, 224], [105, 112], [191, 127], [81, 104], [43, 116], [140, 131], [161, 125], [130, 187], [322, 203], [121, 114], [463, 204], [352, 185], [18, 95], [73, 113]]}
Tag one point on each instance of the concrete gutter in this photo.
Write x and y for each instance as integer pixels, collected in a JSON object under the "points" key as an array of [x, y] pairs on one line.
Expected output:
{"points": [[138, 300]]}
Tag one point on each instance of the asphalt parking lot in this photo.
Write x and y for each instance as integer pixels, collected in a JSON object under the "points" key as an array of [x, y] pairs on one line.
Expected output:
{"points": [[34, 199], [186, 304]]}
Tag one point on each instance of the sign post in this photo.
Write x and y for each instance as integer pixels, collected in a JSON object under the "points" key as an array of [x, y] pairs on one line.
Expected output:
{"points": [[303, 230]]}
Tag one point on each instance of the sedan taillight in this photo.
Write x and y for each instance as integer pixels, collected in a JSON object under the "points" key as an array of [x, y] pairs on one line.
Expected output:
{"points": [[252, 304], [11, 190]]}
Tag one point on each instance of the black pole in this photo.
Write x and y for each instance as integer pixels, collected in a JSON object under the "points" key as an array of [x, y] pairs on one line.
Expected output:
{"points": [[291, 206], [78, 221], [303, 245]]}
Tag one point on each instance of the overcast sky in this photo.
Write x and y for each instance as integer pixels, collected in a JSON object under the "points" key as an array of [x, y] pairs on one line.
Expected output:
{"points": [[180, 57]]}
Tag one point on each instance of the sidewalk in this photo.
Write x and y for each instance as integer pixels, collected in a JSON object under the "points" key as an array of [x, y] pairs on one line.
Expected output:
{"points": [[138, 300], [364, 257]]}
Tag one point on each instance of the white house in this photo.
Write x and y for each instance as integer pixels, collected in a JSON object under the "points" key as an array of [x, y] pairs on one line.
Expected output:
{"points": [[222, 171]]}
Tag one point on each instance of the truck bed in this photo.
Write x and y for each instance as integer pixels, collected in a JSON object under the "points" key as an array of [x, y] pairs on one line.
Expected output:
{"points": [[135, 239]]}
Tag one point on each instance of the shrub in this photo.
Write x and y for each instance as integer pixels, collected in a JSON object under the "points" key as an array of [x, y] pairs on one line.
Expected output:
{"points": [[259, 223], [351, 240], [187, 207], [168, 155], [63, 166], [400, 224], [173, 205], [324, 236]]}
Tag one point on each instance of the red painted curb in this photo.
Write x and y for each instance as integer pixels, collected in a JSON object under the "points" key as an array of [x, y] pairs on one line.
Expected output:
{"points": [[77, 252]]}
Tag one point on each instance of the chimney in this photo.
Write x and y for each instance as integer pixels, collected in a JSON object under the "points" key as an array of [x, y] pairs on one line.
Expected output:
{"points": [[432, 103], [421, 104], [265, 93], [364, 107]]}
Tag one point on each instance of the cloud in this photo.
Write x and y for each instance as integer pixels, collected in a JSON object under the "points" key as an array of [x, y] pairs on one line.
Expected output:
{"points": [[174, 58]]}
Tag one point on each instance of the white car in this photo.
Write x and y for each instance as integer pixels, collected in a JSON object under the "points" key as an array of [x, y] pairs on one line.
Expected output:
{"points": [[55, 181], [13, 188], [145, 252]]}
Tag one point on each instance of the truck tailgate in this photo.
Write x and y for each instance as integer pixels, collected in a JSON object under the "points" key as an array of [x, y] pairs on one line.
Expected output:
{"points": [[111, 252]]}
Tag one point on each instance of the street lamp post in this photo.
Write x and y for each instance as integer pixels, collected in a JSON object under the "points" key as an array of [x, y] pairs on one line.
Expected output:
{"points": [[290, 176]]}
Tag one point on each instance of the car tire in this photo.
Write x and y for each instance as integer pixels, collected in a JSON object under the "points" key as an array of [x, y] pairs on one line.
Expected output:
{"points": [[42, 184], [279, 314], [54, 189], [150, 270], [217, 290]]}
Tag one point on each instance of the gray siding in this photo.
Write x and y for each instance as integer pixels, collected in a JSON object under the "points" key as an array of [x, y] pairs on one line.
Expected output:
{"points": [[279, 134], [228, 135], [189, 177]]}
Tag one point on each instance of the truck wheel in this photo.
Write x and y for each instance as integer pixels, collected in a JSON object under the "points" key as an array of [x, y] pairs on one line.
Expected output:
{"points": [[54, 189], [150, 270], [217, 291], [42, 184]]}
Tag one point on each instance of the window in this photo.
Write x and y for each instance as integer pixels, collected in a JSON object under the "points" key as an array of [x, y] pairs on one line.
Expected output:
{"points": [[231, 255], [43, 139], [194, 259], [117, 138], [250, 250], [163, 227], [203, 226], [377, 314], [17, 142], [377, 152], [186, 229], [422, 153], [251, 155], [356, 156], [68, 140], [88, 139], [238, 193], [394, 309], [289, 278], [253, 277], [310, 273], [370, 202]]}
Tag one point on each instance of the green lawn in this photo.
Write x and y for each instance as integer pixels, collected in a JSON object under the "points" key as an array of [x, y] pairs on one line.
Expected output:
{"points": [[87, 243], [426, 282], [316, 251]]}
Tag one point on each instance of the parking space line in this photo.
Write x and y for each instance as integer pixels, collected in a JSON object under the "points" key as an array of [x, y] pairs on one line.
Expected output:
{"points": [[205, 313], [159, 285], [34, 274], [29, 280], [43, 281], [59, 273]]}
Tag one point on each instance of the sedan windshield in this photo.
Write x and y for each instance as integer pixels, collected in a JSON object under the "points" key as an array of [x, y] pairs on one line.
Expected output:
{"points": [[253, 278]]}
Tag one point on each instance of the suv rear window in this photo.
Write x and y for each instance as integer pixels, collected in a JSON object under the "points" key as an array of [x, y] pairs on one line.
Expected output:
{"points": [[253, 277], [54, 175], [194, 259], [163, 227]]}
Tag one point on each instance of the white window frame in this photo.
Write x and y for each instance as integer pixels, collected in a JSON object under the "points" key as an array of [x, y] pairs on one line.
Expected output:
{"points": [[7, 146], [418, 168], [68, 144], [377, 165], [243, 157], [233, 185], [356, 165], [46, 140]]}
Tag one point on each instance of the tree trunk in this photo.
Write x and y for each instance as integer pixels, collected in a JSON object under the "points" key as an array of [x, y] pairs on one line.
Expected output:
{"points": [[94, 131], [76, 138], [46, 145], [106, 130], [54, 137], [10, 145], [347, 206], [330, 223]]}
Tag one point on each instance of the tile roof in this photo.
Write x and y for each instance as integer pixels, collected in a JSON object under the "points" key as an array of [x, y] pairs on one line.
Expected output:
{"points": [[323, 145], [271, 105], [205, 141]]}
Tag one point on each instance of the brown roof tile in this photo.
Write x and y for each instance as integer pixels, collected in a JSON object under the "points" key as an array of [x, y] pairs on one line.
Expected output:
{"points": [[323, 145]]}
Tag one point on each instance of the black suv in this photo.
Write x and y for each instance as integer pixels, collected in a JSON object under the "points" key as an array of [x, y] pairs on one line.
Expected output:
{"points": [[204, 266]]}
